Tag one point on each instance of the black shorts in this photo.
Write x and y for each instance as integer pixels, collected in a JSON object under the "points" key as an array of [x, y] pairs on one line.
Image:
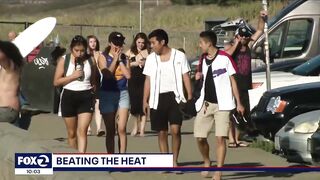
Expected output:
{"points": [[77, 102], [167, 112]]}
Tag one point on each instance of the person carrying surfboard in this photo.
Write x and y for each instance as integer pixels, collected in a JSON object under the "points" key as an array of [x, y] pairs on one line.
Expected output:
{"points": [[11, 62]]}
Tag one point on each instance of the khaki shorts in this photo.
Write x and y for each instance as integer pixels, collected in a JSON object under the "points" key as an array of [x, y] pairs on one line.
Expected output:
{"points": [[205, 118]]}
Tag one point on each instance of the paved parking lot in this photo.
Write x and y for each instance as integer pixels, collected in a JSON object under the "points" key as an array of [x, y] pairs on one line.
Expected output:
{"points": [[189, 154]]}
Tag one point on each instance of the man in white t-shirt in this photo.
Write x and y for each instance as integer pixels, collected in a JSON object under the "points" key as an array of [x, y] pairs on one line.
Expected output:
{"points": [[216, 100], [166, 71]]}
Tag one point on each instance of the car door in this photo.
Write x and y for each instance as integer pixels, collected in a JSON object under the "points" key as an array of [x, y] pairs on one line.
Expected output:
{"points": [[290, 39]]}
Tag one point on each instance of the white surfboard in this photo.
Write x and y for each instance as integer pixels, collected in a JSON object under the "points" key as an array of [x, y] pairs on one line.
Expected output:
{"points": [[34, 35]]}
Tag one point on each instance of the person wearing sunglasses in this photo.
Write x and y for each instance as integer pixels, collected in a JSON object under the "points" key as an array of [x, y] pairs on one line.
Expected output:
{"points": [[240, 50]]}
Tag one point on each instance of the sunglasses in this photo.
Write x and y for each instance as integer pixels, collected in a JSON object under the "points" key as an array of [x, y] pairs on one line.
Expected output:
{"points": [[78, 38]]}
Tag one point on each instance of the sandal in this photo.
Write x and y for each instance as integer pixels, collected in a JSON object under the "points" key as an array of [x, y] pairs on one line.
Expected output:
{"points": [[100, 133], [233, 145], [242, 144]]}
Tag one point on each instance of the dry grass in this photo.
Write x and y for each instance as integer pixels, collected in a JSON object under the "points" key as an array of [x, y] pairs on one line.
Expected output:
{"points": [[181, 22]]}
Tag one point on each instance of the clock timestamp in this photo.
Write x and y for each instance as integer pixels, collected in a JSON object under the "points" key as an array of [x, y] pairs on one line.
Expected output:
{"points": [[33, 171]]}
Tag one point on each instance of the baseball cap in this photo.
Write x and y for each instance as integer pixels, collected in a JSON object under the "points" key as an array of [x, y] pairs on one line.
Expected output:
{"points": [[116, 38], [243, 32]]}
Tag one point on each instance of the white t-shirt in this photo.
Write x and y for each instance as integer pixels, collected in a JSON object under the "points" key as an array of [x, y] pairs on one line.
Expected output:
{"points": [[167, 82], [79, 85], [153, 69]]}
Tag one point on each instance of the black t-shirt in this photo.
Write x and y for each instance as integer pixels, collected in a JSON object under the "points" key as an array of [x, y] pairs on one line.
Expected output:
{"points": [[244, 75], [210, 94]]}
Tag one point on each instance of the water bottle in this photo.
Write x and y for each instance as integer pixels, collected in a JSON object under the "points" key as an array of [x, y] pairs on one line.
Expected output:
{"points": [[79, 66]]}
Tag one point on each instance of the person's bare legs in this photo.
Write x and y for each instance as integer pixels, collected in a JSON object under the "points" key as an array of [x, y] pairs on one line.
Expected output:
{"points": [[71, 125], [176, 142], [204, 150], [134, 130], [163, 141], [142, 126], [221, 151], [237, 135], [109, 122], [122, 129], [98, 119], [84, 120], [232, 135]]}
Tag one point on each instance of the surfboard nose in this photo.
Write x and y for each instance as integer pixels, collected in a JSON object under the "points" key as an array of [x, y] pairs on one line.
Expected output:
{"points": [[31, 37]]}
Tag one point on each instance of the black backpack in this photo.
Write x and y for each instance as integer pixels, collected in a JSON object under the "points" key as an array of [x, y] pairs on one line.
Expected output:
{"points": [[58, 90]]}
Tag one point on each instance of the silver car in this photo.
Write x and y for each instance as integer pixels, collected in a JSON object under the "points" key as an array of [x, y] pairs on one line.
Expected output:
{"points": [[293, 139]]}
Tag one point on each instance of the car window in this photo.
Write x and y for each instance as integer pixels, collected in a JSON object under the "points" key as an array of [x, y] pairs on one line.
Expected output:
{"points": [[309, 68], [298, 37], [275, 40], [291, 38]]}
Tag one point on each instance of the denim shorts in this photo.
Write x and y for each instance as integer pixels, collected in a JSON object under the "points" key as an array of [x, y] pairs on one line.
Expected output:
{"points": [[124, 102], [110, 101]]}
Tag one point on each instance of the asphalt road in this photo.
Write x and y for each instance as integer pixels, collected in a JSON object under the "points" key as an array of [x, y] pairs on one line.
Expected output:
{"points": [[50, 126]]}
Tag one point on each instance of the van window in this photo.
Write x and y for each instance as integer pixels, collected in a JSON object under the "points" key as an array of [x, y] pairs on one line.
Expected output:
{"points": [[291, 38]]}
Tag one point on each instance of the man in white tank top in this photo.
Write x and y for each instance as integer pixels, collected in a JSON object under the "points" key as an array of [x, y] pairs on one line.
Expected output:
{"points": [[166, 71]]}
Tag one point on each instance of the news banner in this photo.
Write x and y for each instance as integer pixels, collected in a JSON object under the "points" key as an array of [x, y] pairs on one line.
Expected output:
{"points": [[47, 163]]}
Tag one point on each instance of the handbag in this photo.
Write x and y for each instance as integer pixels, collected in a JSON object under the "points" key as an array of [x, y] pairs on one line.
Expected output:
{"points": [[188, 109]]}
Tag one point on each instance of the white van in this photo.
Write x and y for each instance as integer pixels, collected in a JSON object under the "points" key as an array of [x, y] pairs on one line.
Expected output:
{"points": [[293, 33]]}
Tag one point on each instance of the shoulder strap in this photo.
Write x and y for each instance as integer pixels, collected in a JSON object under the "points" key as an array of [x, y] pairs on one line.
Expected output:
{"points": [[66, 63], [90, 61], [199, 69]]}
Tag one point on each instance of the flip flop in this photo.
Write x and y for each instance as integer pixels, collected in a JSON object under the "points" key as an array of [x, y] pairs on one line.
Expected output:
{"points": [[233, 145], [100, 133], [242, 144]]}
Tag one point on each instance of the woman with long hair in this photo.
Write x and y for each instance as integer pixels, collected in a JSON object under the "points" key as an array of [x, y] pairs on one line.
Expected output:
{"points": [[137, 54], [93, 51], [75, 73], [114, 96]]}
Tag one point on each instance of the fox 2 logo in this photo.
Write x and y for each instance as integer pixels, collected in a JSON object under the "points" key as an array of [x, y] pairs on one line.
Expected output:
{"points": [[33, 160]]}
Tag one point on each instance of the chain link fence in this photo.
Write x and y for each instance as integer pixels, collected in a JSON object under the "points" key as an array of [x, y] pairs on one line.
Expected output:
{"points": [[177, 39]]}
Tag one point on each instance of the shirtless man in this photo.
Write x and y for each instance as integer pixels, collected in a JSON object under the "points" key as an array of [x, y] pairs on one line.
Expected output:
{"points": [[11, 63]]}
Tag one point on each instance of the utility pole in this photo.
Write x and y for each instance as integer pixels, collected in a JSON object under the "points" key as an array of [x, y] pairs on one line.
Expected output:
{"points": [[140, 16], [266, 46]]}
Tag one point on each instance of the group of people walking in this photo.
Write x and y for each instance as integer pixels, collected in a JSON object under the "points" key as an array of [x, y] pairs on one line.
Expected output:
{"points": [[150, 77], [97, 82]]}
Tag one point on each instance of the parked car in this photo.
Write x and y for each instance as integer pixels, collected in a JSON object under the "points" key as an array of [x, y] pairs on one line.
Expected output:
{"points": [[304, 73], [293, 33], [277, 106], [293, 139], [284, 66], [315, 146]]}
